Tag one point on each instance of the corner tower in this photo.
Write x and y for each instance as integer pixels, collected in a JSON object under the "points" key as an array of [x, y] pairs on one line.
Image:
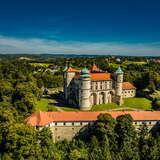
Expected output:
{"points": [[84, 90], [68, 75], [118, 85]]}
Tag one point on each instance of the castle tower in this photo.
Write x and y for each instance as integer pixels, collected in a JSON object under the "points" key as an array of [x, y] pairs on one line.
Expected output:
{"points": [[65, 82], [68, 75], [84, 90], [118, 85]]}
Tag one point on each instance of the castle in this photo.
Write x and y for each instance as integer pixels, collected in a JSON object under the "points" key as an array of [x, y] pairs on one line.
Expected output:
{"points": [[85, 88]]}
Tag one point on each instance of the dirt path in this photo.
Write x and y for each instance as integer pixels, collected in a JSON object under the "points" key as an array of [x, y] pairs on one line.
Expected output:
{"points": [[125, 108], [59, 109]]}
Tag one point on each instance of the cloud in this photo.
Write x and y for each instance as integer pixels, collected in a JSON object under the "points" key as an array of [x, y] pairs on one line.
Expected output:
{"points": [[11, 45]]}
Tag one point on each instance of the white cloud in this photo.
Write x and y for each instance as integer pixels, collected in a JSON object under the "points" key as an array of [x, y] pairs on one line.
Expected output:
{"points": [[12, 45]]}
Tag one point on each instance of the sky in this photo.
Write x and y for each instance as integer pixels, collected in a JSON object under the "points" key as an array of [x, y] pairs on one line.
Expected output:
{"points": [[108, 27]]}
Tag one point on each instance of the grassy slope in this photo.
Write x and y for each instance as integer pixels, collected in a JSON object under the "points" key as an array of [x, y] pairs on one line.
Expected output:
{"points": [[135, 103], [43, 105]]}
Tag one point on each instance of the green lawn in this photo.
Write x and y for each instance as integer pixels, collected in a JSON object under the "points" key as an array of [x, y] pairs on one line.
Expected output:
{"points": [[68, 109], [47, 104], [133, 103], [44, 105]]}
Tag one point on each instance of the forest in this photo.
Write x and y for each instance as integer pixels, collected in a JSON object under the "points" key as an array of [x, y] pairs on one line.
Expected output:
{"points": [[21, 86]]}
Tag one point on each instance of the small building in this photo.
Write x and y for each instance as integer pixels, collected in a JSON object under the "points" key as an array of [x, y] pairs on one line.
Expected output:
{"points": [[65, 125], [85, 88]]}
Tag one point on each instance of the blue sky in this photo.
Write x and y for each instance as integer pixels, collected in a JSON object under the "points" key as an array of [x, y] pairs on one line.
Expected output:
{"points": [[118, 27]]}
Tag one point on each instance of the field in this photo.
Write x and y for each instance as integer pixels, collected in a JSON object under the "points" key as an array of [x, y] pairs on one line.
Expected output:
{"points": [[46, 104], [126, 63], [133, 62], [45, 65], [129, 104]]}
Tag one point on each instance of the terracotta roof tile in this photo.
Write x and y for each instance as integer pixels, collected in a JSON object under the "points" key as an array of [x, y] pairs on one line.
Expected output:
{"points": [[44, 118], [127, 86], [100, 76]]}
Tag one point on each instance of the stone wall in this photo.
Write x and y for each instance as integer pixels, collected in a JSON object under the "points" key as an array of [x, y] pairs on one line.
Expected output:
{"points": [[64, 132], [68, 130]]}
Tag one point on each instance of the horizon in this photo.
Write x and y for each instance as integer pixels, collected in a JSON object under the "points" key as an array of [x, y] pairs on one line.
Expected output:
{"points": [[80, 28]]}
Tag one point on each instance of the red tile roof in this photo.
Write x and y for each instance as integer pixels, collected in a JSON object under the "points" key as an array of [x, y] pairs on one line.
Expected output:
{"points": [[70, 69], [100, 76], [44, 118], [127, 86], [97, 76]]}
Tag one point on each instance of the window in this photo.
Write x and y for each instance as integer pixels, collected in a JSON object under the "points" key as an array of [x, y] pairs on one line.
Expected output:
{"points": [[96, 86], [55, 123], [106, 84], [91, 85], [64, 123], [72, 123]]}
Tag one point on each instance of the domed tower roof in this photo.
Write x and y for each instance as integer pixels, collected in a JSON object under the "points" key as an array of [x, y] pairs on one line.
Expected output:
{"points": [[85, 72], [119, 71], [65, 68]]}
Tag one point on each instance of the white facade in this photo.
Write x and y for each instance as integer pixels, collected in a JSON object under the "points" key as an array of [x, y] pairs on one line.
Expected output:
{"points": [[81, 90]]}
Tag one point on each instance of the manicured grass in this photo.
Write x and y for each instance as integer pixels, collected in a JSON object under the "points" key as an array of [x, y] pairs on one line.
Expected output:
{"points": [[43, 105], [140, 103], [69, 109], [132, 103], [47, 104]]}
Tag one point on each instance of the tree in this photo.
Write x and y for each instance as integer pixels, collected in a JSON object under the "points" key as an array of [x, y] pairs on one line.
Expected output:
{"points": [[126, 137], [21, 142], [156, 104], [6, 90], [74, 155], [46, 143], [143, 141], [105, 127], [105, 147]]}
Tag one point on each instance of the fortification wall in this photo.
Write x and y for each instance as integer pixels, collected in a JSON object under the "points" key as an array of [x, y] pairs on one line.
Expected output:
{"points": [[64, 132]]}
